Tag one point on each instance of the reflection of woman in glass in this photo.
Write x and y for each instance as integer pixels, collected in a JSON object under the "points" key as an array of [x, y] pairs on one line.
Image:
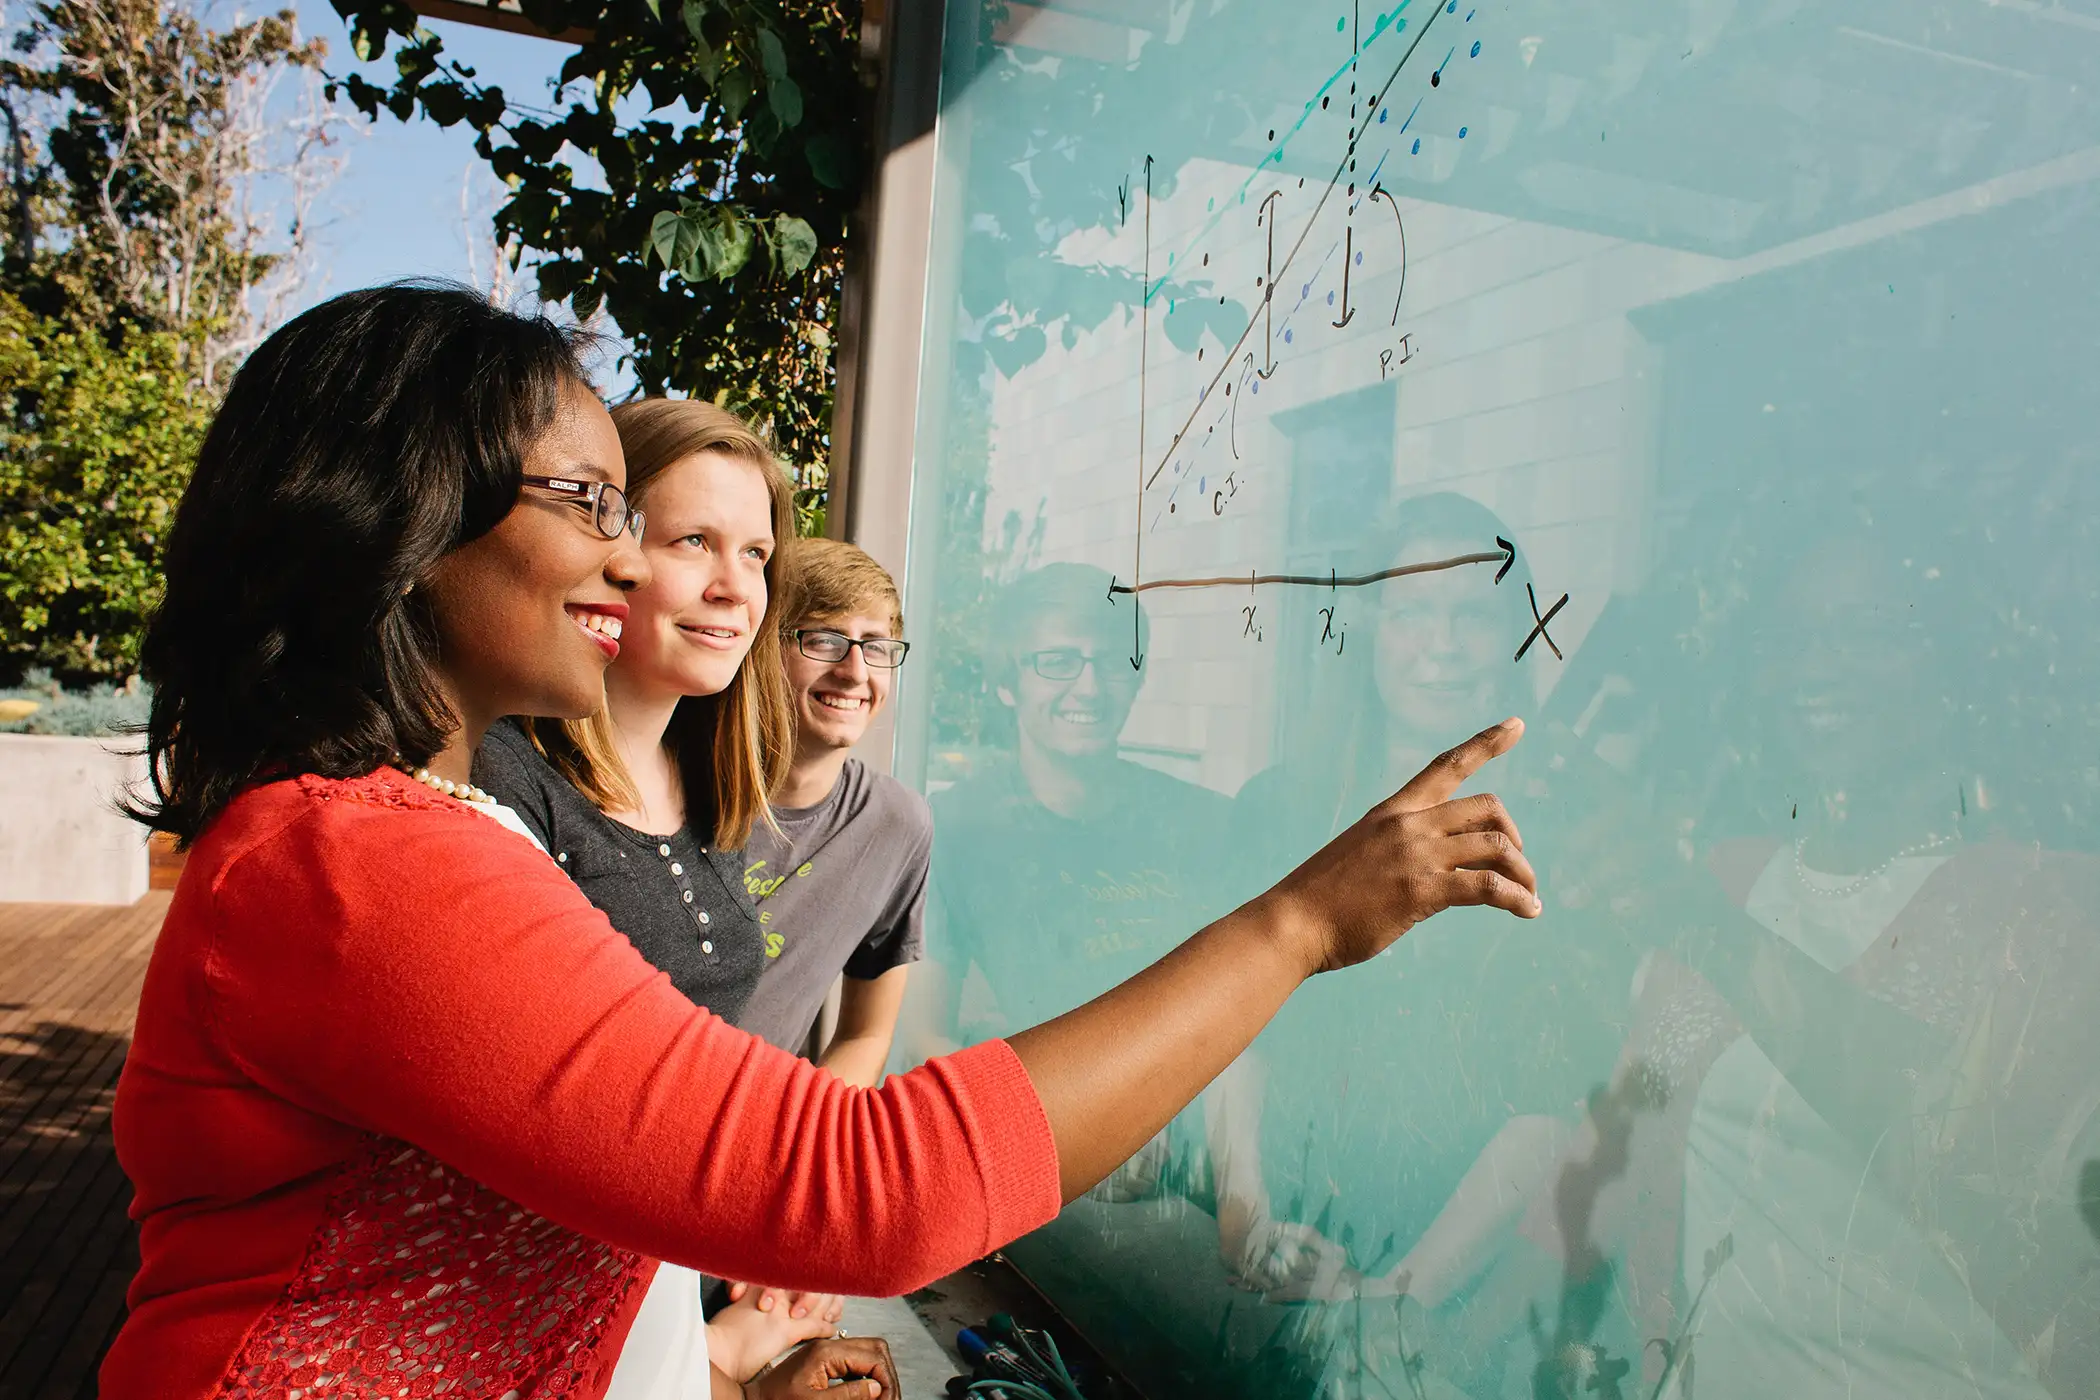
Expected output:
{"points": [[1868, 1111], [1489, 1036], [1441, 644]]}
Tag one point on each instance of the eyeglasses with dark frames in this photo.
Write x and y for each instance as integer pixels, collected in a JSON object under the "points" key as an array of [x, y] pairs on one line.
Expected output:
{"points": [[610, 512], [1070, 663], [820, 644]]}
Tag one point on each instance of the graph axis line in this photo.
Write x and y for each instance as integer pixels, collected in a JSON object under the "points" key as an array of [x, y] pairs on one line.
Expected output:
{"points": [[1253, 580]]}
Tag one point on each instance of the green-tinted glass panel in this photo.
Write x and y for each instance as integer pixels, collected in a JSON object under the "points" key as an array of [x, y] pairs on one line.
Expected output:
{"points": [[1757, 339]]}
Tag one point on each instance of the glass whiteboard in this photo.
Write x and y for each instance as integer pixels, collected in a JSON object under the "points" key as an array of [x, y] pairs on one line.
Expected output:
{"points": [[1710, 382]]}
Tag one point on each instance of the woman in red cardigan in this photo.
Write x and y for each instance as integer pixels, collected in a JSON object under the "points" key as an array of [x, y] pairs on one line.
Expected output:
{"points": [[404, 1115]]}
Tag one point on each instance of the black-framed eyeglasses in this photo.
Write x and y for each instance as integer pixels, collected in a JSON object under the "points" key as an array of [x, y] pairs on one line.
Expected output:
{"points": [[610, 511], [819, 644], [1069, 663]]}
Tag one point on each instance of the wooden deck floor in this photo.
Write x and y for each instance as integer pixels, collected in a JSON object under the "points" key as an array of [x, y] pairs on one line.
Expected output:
{"points": [[69, 987]]}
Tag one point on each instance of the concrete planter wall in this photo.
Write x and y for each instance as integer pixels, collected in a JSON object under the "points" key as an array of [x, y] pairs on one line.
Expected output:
{"points": [[61, 841]]}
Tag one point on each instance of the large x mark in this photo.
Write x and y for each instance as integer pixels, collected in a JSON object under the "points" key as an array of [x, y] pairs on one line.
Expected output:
{"points": [[1538, 632]]}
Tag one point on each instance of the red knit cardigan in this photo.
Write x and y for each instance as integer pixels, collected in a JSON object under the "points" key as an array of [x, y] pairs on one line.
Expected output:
{"points": [[406, 1117]]}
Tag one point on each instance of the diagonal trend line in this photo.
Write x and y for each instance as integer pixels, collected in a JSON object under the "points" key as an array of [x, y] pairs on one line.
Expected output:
{"points": [[1269, 291], [1209, 226]]}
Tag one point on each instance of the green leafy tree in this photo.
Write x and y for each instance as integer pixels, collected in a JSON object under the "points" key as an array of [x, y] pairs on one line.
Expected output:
{"points": [[732, 138], [139, 263], [96, 445], [1049, 154], [139, 206], [730, 135]]}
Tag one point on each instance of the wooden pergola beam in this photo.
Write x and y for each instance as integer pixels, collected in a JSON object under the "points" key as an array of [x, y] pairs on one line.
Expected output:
{"points": [[504, 16]]}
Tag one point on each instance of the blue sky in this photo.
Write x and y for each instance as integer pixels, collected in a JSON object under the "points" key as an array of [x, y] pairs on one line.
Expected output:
{"points": [[395, 210]]}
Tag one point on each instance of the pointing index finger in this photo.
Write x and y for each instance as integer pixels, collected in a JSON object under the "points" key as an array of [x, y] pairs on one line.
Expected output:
{"points": [[1450, 769]]}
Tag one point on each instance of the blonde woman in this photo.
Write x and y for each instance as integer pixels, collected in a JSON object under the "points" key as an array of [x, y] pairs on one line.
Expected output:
{"points": [[648, 804]]}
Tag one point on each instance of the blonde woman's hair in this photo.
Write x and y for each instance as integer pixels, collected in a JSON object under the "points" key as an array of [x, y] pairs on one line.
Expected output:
{"points": [[730, 750], [834, 579]]}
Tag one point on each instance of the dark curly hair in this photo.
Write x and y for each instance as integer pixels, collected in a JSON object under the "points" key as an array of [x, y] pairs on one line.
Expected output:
{"points": [[359, 444]]}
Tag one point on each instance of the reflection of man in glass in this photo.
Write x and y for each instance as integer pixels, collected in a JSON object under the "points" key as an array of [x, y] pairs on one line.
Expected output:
{"points": [[1064, 868]]}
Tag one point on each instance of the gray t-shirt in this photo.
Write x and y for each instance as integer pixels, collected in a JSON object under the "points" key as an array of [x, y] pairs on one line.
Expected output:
{"points": [[845, 892]]}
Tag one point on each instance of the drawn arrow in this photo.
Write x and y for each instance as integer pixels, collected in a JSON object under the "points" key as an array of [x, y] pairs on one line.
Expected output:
{"points": [[1268, 288], [1252, 580], [1348, 256], [1233, 429], [1137, 656], [1137, 566], [1379, 192]]}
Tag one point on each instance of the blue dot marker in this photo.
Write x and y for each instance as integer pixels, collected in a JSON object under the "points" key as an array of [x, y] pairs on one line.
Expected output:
{"points": [[1461, 133], [1418, 147], [1476, 48], [1286, 341]]}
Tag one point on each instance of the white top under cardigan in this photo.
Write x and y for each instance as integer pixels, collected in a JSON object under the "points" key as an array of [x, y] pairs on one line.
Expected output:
{"points": [[665, 1356]]}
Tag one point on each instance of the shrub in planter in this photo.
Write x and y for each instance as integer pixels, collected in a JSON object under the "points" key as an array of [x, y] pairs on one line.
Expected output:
{"points": [[101, 709]]}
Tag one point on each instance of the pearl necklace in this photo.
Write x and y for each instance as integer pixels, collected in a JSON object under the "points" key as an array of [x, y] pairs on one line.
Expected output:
{"points": [[465, 792], [1855, 885]]}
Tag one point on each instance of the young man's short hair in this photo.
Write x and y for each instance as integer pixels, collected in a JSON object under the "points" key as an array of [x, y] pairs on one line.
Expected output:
{"points": [[834, 579]]}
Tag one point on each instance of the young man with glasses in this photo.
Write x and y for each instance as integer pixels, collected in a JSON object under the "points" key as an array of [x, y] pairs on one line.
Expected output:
{"points": [[842, 886], [1067, 867]]}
